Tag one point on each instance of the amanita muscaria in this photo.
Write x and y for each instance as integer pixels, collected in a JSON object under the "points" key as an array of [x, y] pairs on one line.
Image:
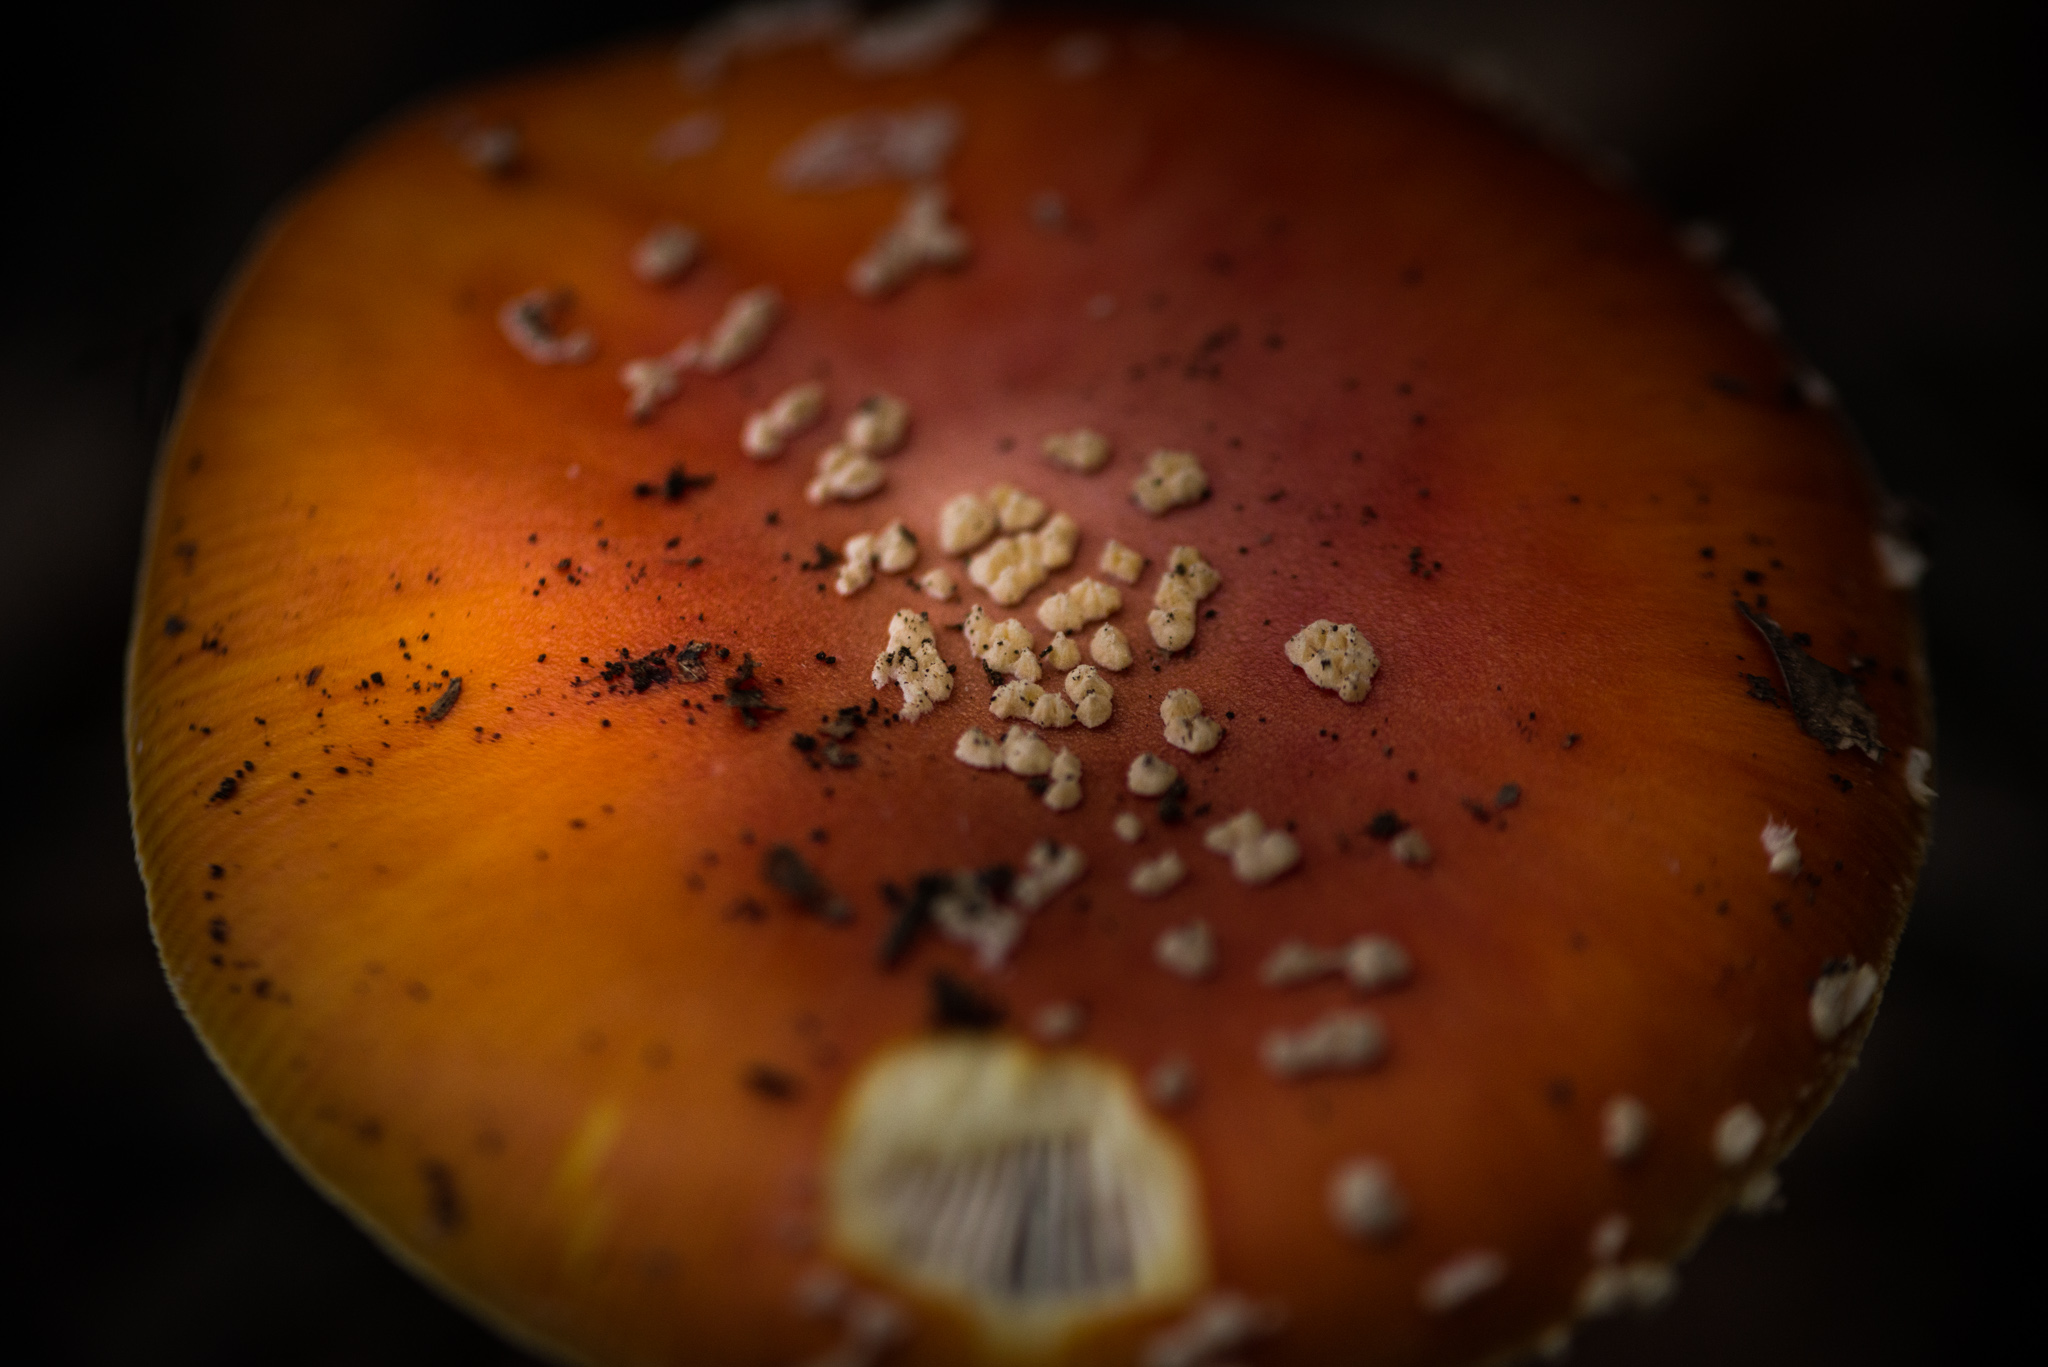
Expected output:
{"points": [[526, 836]]}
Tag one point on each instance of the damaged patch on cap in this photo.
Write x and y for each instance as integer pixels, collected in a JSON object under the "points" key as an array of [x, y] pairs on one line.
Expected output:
{"points": [[911, 660], [1034, 1192], [1825, 701], [1172, 479], [1336, 657]]}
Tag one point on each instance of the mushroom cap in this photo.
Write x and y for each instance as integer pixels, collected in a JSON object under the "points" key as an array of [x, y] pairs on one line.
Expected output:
{"points": [[511, 977]]}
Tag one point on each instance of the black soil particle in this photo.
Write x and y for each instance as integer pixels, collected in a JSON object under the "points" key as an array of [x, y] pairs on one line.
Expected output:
{"points": [[956, 1006], [669, 664], [765, 1080], [1825, 701], [1172, 803], [445, 704], [785, 870], [744, 696], [913, 909], [227, 789], [842, 724], [675, 487], [444, 1202], [1386, 825]]}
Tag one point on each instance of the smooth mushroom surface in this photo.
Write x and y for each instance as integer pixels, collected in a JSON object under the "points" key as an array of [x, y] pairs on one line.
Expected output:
{"points": [[962, 691]]}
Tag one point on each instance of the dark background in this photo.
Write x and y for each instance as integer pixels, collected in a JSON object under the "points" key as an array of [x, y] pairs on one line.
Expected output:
{"points": [[1879, 167]]}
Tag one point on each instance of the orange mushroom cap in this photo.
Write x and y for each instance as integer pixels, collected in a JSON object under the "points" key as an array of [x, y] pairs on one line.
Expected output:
{"points": [[516, 812]]}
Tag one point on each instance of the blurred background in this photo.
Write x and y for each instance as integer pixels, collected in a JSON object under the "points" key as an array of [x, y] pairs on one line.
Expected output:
{"points": [[1878, 167]]}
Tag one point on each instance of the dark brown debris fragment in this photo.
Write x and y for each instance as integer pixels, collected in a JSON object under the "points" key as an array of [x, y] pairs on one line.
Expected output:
{"points": [[767, 1081], [1386, 825], [956, 1006], [445, 704], [844, 723], [744, 696], [976, 889], [1172, 810], [785, 870], [444, 1202], [1825, 701], [675, 487]]}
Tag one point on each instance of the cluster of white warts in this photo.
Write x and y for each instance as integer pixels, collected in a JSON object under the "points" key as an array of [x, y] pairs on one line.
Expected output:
{"points": [[1363, 1198]]}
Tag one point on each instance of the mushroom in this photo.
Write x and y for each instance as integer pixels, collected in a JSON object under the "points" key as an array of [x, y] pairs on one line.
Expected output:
{"points": [[531, 843]]}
